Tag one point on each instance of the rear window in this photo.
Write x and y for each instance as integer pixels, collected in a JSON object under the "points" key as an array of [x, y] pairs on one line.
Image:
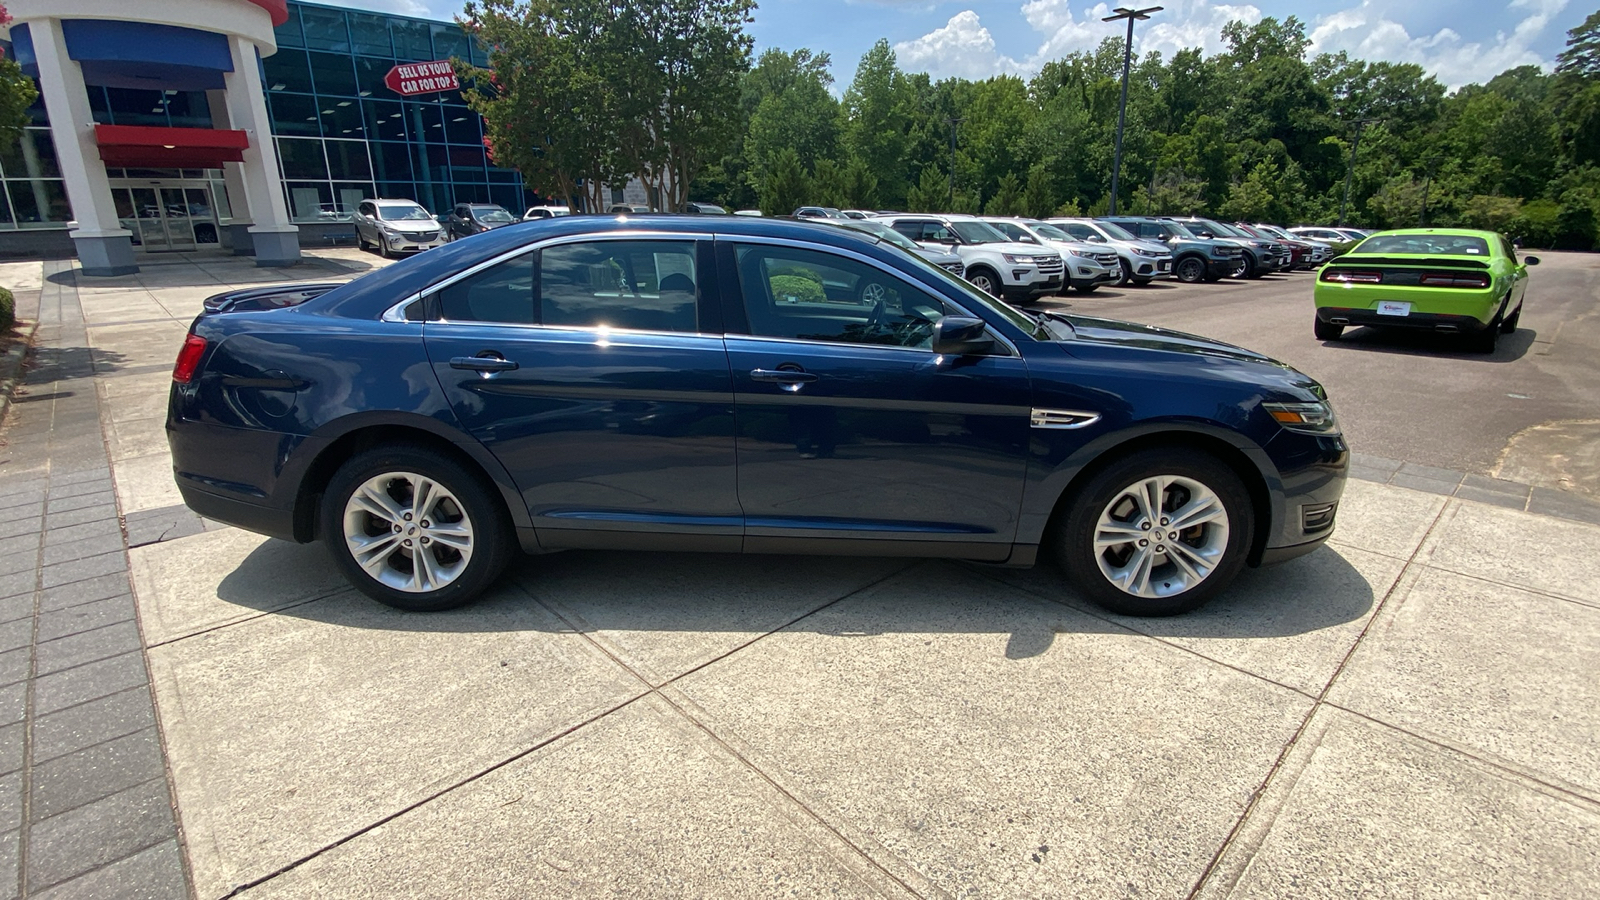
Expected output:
{"points": [[1447, 244]]}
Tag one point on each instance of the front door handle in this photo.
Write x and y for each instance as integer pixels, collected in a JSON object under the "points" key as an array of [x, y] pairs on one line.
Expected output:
{"points": [[482, 363], [782, 376]]}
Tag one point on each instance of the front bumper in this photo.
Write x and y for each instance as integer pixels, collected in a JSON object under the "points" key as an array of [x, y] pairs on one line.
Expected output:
{"points": [[1150, 266], [1314, 471], [1222, 267], [409, 242]]}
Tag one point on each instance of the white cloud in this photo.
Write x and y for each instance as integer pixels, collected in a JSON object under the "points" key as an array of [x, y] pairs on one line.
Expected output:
{"points": [[1366, 33], [964, 47]]}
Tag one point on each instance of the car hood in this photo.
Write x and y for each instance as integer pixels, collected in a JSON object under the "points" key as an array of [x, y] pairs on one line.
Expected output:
{"points": [[1152, 246], [1018, 249], [411, 225], [938, 257], [1113, 331], [1081, 248]]}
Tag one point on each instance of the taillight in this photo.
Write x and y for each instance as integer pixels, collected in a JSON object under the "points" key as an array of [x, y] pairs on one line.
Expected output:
{"points": [[1471, 280], [1348, 276], [194, 347]]}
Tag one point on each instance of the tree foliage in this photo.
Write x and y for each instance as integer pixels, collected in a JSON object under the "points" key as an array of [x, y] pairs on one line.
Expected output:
{"points": [[581, 92]]}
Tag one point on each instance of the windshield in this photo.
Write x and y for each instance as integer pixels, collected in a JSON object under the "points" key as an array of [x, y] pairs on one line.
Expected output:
{"points": [[1181, 229], [402, 212], [1050, 232], [1451, 244], [978, 233], [1219, 229], [882, 232], [491, 214], [972, 297], [1115, 232]]}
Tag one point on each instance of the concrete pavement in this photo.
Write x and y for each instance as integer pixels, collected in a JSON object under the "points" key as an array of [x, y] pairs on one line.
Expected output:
{"points": [[1408, 711]]}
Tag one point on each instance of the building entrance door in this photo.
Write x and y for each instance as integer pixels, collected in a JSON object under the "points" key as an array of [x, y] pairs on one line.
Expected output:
{"points": [[168, 216]]}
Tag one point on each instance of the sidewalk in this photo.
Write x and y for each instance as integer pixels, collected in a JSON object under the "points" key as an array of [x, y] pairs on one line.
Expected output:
{"points": [[1411, 710]]}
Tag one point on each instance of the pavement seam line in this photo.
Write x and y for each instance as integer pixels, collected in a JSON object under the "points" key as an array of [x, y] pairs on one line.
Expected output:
{"points": [[735, 754], [1167, 642], [469, 779], [1477, 755], [1317, 704]]}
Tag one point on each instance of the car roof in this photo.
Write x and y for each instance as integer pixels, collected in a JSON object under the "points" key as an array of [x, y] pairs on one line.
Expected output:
{"points": [[1449, 232]]}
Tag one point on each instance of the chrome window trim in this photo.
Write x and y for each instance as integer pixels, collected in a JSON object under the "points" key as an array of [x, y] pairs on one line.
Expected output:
{"points": [[396, 313], [876, 264]]}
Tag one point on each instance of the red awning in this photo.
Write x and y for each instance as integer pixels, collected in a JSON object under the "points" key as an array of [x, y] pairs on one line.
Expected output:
{"points": [[150, 147], [277, 9]]}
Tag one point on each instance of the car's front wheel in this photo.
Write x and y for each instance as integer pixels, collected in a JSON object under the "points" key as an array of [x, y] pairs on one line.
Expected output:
{"points": [[985, 281], [1086, 288], [1191, 270], [1157, 533], [414, 529], [1127, 273]]}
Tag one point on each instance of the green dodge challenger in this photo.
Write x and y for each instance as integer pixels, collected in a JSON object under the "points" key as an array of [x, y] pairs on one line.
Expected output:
{"points": [[1443, 279]]}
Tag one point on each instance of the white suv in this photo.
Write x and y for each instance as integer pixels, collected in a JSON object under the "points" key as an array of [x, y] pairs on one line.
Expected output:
{"points": [[1019, 273], [1086, 267], [1141, 261]]}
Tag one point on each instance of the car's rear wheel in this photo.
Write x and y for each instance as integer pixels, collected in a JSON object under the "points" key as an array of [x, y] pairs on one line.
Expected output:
{"points": [[1191, 270], [1326, 331], [985, 280], [1487, 340], [1157, 533], [1510, 324], [414, 529]]}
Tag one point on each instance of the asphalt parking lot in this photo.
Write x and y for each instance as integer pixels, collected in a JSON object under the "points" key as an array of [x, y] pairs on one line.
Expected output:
{"points": [[191, 710]]}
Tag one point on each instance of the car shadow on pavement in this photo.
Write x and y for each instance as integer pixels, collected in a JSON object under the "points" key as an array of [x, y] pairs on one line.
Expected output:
{"points": [[1511, 348], [638, 592]]}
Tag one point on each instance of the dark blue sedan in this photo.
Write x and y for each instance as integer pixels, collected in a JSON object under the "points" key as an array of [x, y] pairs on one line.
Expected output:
{"points": [[738, 385]]}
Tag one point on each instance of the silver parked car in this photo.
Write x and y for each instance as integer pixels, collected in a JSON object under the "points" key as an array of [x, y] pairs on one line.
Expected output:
{"points": [[1141, 261], [396, 226]]}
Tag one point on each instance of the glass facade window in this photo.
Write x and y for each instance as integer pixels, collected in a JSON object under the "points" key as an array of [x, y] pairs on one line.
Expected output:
{"points": [[342, 132], [342, 135]]}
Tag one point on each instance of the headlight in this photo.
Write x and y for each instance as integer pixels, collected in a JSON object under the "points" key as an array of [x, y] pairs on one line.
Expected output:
{"points": [[1145, 252], [1306, 418], [1018, 260]]}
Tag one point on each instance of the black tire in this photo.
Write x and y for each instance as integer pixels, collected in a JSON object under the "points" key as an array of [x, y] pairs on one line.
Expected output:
{"points": [[986, 281], [1212, 278], [1074, 539], [361, 242], [1127, 273], [1487, 340], [1326, 331], [1086, 288], [1510, 324], [1141, 282], [1249, 269], [471, 500], [1191, 270], [383, 249]]}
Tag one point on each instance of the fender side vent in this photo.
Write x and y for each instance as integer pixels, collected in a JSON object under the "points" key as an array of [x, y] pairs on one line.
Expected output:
{"points": [[1063, 418]]}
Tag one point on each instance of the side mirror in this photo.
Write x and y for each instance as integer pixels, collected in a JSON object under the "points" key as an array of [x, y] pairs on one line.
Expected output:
{"points": [[1029, 239], [1530, 260], [1206, 234], [961, 336]]}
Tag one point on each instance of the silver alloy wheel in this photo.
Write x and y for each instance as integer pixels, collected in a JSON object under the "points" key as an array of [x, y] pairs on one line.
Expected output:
{"points": [[408, 532], [984, 283], [1161, 536], [873, 293]]}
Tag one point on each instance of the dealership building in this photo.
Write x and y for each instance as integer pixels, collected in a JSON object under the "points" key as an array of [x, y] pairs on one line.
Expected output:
{"points": [[250, 126]]}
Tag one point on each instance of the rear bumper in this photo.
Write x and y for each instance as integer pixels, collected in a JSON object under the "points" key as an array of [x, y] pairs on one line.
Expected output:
{"points": [[265, 520], [1418, 320]]}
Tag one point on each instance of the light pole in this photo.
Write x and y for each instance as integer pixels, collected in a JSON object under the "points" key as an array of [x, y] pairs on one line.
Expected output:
{"points": [[1427, 182], [1351, 174], [1132, 15], [953, 123]]}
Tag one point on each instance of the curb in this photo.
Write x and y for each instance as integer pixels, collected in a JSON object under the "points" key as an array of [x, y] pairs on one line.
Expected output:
{"points": [[11, 365]]}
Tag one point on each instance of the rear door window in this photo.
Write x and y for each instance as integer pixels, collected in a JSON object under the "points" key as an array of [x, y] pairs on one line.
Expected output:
{"points": [[639, 285]]}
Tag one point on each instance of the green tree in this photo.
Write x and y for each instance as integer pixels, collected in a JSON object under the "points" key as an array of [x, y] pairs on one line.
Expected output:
{"points": [[930, 193], [875, 132], [1582, 56], [1039, 195], [860, 185], [786, 187], [828, 185], [1008, 199], [17, 93], [788, 95], [1251, 200]]}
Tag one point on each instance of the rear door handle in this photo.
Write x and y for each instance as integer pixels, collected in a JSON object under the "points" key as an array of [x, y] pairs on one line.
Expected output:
{"points": [[782, 376], [482, 363]]}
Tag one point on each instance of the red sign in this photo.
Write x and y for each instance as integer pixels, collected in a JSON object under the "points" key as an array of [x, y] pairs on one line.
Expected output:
{"points": [[422, 78]]}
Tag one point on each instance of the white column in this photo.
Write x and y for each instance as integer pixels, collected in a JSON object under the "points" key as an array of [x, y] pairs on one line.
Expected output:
{"points": [[233, 176], [277, 241], [104, 246]]}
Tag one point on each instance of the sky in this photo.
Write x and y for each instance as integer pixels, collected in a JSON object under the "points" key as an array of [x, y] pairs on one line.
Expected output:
{"points": [[1458, 41]]}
